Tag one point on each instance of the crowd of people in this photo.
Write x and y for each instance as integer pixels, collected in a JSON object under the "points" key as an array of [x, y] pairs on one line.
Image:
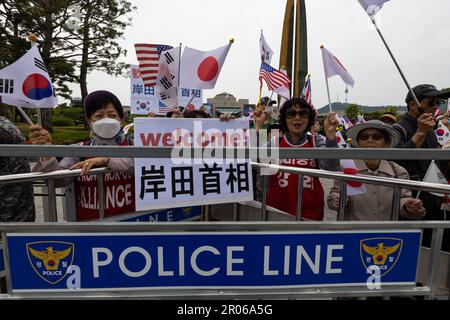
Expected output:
{"points": [[299, 128]]}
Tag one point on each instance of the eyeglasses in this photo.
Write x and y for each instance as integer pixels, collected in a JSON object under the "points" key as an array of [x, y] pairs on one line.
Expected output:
{"points": [[375, 136], [435, 102], [303, 114]]}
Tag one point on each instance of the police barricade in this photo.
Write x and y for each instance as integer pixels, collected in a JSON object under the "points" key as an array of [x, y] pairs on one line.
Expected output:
{"points": [[136, 152], [2, 261], [217, 260]]}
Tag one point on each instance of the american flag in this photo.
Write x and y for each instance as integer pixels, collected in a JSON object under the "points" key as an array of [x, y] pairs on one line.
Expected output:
{"points": [[148, 57], [274, 78], [163, 109], [306, 93], [348, 123]]}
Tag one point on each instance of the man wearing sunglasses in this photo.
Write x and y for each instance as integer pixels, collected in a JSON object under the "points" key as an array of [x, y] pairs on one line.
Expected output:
{"points": [[416, 130]]}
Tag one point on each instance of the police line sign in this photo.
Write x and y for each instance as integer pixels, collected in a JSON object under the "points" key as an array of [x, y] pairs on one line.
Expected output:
{"points": [[133, 261], [2, 259]]}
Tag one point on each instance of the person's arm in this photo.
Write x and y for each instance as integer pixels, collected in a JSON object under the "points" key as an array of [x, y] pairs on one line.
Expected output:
{"points": [[330, 126], [410, 208], [426, 124], [334, 195]]}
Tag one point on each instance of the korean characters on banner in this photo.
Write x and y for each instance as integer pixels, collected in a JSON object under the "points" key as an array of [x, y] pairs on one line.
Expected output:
{"points": [[188, 179], [149, 99]]}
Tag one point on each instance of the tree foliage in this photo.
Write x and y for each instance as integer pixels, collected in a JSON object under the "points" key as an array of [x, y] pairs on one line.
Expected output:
{"points": [[352, 111], [75, 37]]}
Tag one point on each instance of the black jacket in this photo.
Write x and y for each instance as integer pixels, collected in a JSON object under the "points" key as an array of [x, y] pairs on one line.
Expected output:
{"points": [[407, 127]]}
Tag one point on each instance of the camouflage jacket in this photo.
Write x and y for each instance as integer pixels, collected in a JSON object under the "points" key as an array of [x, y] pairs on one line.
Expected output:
{"points": [[17, 199]]}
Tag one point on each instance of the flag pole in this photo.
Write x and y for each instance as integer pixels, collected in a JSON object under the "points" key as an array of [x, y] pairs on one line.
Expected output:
{"points": [[326, 81], [395, 61], [33, 38], [24, 115], [179, 75]]}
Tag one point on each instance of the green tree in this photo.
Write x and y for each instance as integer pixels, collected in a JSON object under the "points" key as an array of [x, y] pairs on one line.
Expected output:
{"points": [[392, 110], [96, 28], [352, 111], [46, 19]]}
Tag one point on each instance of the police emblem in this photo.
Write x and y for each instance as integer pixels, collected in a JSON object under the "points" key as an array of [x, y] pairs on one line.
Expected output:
{"points": [[187, 212], [380, 252], [50, 259]]}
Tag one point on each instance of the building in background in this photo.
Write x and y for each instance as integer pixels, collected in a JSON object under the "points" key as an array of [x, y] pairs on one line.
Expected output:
{"points": [[227, 103]]}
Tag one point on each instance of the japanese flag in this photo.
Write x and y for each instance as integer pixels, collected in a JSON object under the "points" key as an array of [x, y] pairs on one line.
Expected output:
{"points": [[201, 69], [333, 67], [353, 188]]}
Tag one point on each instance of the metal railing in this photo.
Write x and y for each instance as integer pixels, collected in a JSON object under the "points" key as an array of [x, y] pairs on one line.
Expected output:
{"points": [[429, 289], [133, 152]]}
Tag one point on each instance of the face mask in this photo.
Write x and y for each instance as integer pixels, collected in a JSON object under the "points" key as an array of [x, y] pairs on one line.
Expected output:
{"points": [[106, 128]]}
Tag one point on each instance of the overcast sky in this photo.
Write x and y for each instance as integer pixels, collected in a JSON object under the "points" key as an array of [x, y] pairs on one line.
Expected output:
{"points": [[418, 32]]}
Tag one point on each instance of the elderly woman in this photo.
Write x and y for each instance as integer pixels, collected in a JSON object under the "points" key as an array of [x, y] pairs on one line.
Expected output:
{"points": [[376, 203], [104, 113], [296, 119]]}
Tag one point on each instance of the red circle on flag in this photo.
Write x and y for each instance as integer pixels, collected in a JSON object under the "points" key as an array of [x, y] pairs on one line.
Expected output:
{"points": [[190, 107], [208, 69], [353, 184], [440, 132]]}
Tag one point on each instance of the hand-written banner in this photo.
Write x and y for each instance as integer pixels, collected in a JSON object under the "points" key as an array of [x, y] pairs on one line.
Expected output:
{"points": [[148, 99], [178, 181]]}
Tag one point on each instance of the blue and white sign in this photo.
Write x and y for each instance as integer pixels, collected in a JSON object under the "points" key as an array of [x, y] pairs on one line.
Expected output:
{"points": [[2, 261], [133, 261], [170, 215]]}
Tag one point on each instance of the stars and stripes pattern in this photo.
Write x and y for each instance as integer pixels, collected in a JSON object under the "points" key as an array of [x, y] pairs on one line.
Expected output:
{"points": [[163, 108], [273, 78], [148, 57], [306, 93], [348, 124]]}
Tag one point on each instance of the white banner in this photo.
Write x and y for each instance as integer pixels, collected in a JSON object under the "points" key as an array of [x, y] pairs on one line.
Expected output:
{"points": [[147, 99], [179, 182]]}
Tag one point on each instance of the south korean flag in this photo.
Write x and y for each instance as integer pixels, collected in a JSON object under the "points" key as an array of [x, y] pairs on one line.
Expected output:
{"points": [[442, 134]]}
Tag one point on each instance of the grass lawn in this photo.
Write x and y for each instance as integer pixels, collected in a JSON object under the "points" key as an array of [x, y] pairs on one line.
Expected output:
{"points": [[62, 135]]}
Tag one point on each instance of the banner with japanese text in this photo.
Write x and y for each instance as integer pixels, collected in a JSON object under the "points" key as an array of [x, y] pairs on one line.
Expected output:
{"points": [[148, 99], [187, 179]]}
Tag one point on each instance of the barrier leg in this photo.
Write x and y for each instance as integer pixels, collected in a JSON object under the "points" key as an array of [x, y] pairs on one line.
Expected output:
{"points": [[101, 197], [264, 199], [342, 198], [299, 197], [396, 204], [52, 214], [433, 262]]}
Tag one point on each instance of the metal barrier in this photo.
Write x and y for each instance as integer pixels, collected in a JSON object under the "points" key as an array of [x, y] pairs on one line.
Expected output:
{"points": [[53, 231], [297, 292], [397, 184]]}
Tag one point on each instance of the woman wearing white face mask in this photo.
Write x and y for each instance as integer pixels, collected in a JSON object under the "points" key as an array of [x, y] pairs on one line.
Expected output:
{"points": [[104, 113]]}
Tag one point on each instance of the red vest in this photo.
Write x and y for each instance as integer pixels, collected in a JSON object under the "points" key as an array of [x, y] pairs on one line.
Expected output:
{"points": [[118, 194], [282, 193]]}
